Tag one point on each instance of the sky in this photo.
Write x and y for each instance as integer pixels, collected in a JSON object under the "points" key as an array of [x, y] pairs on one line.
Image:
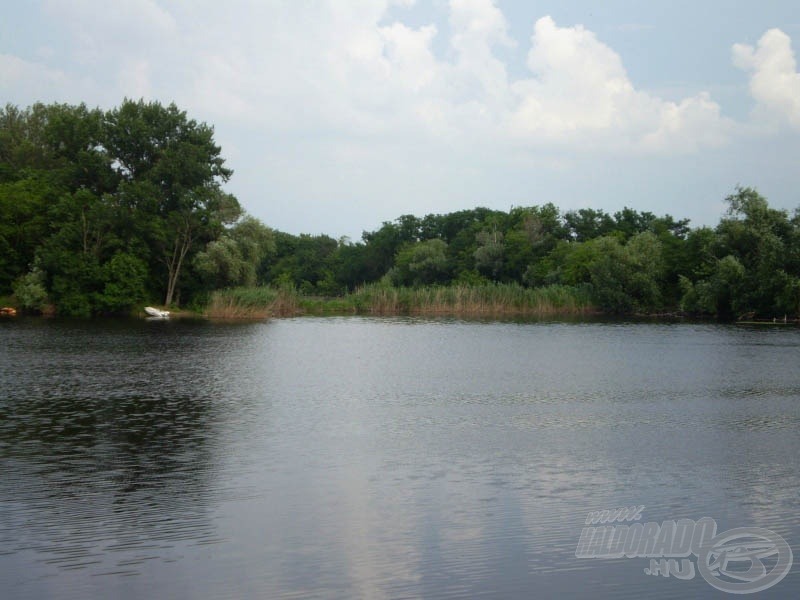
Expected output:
{"points": [[337, 115]]}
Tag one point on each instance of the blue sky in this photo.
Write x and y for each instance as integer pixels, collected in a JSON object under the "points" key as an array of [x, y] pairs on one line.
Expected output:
{"points": [[337, 115]]}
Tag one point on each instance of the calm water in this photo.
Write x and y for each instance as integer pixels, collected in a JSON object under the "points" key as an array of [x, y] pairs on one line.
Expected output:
{"points": [[365, 458]]}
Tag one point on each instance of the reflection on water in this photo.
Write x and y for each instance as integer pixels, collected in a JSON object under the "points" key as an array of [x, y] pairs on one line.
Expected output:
{"points": [[379, 457]]}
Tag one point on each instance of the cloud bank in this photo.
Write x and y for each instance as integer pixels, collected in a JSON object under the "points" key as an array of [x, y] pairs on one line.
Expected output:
{"points": [[774, 80], [341, 67], [338, 114]]}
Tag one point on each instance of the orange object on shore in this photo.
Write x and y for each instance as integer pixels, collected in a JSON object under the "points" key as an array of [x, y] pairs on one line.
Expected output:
{"points": [[8, 311]]}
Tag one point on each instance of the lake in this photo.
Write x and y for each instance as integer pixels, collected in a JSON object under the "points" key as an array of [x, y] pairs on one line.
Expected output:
{"points": [[382, 458]]}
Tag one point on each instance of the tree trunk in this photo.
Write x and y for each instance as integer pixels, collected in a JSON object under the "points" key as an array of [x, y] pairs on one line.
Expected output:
{"points": [[183, 242]]}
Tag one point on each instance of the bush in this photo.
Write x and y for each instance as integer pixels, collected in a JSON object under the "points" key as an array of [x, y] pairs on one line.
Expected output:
{"points": [[125, 277], [30, 291]]}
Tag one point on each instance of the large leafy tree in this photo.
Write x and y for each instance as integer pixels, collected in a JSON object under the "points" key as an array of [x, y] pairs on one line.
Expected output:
{"points": [[53, 172], [171, 173], [587, 223], [748, 264], [235, 258], [761, 239], [98, 207], [307, 262], [421, 263]]}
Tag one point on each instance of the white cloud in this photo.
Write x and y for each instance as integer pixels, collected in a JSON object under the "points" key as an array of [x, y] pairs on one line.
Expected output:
{"points": [[339, 68], [581, 94], [774, 80], [408, 52], [689, 125], [477, 26], [316, 68], [348, 112]]}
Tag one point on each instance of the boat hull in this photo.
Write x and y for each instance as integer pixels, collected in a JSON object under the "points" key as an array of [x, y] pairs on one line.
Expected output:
{"points": [[156, 313]]}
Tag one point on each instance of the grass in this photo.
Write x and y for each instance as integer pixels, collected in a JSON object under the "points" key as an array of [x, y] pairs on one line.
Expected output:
{"points": [[252, 303], [493, 300], [472, 301], [490, 300]]}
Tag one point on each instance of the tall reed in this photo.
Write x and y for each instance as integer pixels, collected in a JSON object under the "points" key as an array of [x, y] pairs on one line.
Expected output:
{"points": [[493, 300], [472, 300], [252, 303]]}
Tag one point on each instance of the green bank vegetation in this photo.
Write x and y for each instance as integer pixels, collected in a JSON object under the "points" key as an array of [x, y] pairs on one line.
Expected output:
{"points": [[253, 302], [484, 300], [102, 212]]}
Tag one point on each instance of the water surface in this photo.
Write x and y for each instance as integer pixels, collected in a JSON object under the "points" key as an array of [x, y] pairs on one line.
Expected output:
{"points": [[380, 458]]}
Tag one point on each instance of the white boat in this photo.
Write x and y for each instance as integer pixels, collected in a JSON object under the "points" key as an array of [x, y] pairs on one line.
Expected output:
{"points": [[154, 312]]}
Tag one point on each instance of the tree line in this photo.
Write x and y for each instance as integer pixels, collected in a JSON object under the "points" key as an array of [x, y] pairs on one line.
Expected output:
{"points": [[102, 211], [629, 261]]}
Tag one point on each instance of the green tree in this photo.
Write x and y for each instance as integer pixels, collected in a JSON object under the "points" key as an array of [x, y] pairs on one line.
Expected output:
{"points": [[30, 290], [176, 172], [757, 236], [532, 234], [305, 262], [490, 253], [24, 223], [234, 258], [421, 263], [718, 294], [381, 246], [625, 278], [588, 223], [629, 222], [124, 288], [349, 265]]}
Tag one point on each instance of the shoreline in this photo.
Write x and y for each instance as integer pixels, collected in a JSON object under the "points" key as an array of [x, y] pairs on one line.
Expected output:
{"points": [[468, 302], [508, 316]]}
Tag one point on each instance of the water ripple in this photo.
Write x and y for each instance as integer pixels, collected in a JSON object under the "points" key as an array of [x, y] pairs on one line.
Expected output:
{"points": [[396, 458]]}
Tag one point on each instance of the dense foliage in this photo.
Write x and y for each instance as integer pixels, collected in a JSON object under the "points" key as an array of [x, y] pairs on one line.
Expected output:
{"points": [[628, 262], [100, 211]]}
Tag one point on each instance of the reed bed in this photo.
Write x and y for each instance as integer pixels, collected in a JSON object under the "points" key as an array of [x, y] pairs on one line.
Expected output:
{"points": [[492, 300], [469, 300], [252, 303]]}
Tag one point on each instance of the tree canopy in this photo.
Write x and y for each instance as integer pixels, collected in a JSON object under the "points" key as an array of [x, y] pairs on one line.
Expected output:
{"points": [[629, 261], [103, 210]]}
